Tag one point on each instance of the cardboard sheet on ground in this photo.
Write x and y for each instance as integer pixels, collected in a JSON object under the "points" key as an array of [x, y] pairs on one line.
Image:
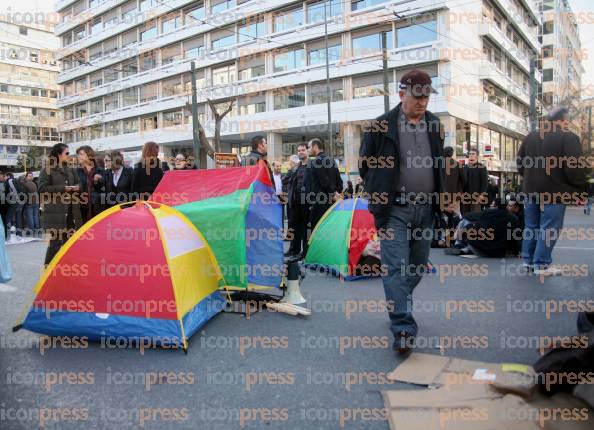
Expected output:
{"points": [[472, 395], [437, 370]]}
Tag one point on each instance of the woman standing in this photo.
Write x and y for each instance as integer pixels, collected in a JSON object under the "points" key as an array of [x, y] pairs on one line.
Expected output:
{"points": [[148, 172], [90, 176], [59, 190]]}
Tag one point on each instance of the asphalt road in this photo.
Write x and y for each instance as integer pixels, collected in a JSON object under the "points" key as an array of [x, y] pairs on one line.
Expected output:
{"points": [[278, 371]]}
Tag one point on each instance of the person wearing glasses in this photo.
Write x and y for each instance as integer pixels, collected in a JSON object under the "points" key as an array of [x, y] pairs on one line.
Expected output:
{"points": [[59, 191]]}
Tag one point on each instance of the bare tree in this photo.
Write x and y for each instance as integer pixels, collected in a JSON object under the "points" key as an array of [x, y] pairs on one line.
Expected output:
{"points": [[215, 145]]}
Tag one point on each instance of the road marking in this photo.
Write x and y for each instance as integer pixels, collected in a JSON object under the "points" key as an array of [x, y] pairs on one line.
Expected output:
{"points": [[7, 289]]}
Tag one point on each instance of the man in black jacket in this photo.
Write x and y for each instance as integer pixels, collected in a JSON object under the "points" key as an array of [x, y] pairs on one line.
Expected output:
{"points": [[552, 164], [477, 181], [259, 152], [117, 180], [299, 210], [323, 181], [401, 161]]}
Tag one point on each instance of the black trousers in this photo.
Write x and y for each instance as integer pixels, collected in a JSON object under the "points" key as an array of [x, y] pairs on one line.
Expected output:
{"points": [[59, 237], [298, 218]]}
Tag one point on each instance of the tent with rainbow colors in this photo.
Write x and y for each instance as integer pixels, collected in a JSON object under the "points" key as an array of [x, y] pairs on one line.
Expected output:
{"points": [[338, 240], [240, 216], [140, 272]]}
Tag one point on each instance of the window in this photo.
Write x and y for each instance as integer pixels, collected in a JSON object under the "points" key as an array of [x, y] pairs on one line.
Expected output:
{"points": [[130, 96], [223, 75], [172, 118], [148, 31], [110, 18], [110, 46], [318, 56], [148, 61], [290, 60], [547, 75], [43, 93], [252, 104], [194, 13], [251, 29], [128, 11], [67, 40], [147, 4], [23, 30], [96, 132], [317, 93], [315, 11], [289, 97], [111, 75], [130, 125], [370, 44], [547, 51], [370, 85], [96, 26], [96, 106], [360, 4], [149, 122], [34, 92], [129, 67], [416, 34], [171, 53], [219, 6], [548, 27], [223, 38], [80, 110], [80, 32], [129, 38], [289, 19], [80, 85], [171, 22], [112, 128], [252, 67], [149, 92], [194, 48], [95, 52], [172, 86]]}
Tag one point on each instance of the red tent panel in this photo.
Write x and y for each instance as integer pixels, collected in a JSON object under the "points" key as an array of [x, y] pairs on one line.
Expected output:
{"points": [[362, 231]]}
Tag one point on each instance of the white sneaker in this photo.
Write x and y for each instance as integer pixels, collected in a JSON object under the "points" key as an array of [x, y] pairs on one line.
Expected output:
{"points": [[549, 271]]}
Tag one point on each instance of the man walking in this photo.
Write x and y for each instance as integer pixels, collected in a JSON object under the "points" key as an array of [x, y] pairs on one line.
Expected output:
{"points": [[298, 209], [549, 161], [404, 194], [323, 181], [475, 188]]}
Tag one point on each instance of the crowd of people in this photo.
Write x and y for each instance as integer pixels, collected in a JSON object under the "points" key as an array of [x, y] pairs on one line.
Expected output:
{"points": [[70, 190]]}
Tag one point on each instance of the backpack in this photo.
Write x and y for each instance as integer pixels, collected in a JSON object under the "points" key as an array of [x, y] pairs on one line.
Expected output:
{"points": [[19, 185]]}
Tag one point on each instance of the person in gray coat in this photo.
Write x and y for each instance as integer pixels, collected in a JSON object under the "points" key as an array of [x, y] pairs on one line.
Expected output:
{"points": [[59, 192]]}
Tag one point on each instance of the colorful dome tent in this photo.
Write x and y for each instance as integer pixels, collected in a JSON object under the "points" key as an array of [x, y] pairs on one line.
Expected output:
{"points": [[139, 272], [338, 241], [240, 216]]}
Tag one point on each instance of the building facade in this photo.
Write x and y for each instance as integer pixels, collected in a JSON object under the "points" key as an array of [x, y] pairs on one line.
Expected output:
{"points": [[126, 71], [29, 115], [562, 55], [587, 125]]}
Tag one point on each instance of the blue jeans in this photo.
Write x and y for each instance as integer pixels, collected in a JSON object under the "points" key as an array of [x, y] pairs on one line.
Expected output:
{"points": [[32, 217], [541, 232], [405, 250], [589, 205]]}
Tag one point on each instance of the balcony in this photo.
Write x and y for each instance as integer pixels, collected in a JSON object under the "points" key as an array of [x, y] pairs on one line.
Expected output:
{"points": [[512, 16], [488, 71], [501, 120], [500, 39]]}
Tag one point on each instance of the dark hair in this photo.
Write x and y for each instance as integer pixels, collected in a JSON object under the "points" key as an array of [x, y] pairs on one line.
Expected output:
{"points": [[256, 141], [56, 151], [473, 149], [448, 151], [117, 159], [302, 144], [318, 143], [87, 150], [557, 114]]}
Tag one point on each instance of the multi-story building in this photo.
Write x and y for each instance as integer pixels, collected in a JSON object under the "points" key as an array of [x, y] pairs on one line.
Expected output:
{"points": [[29, 115], [587, 126], [562, 55], [126, 70]]}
